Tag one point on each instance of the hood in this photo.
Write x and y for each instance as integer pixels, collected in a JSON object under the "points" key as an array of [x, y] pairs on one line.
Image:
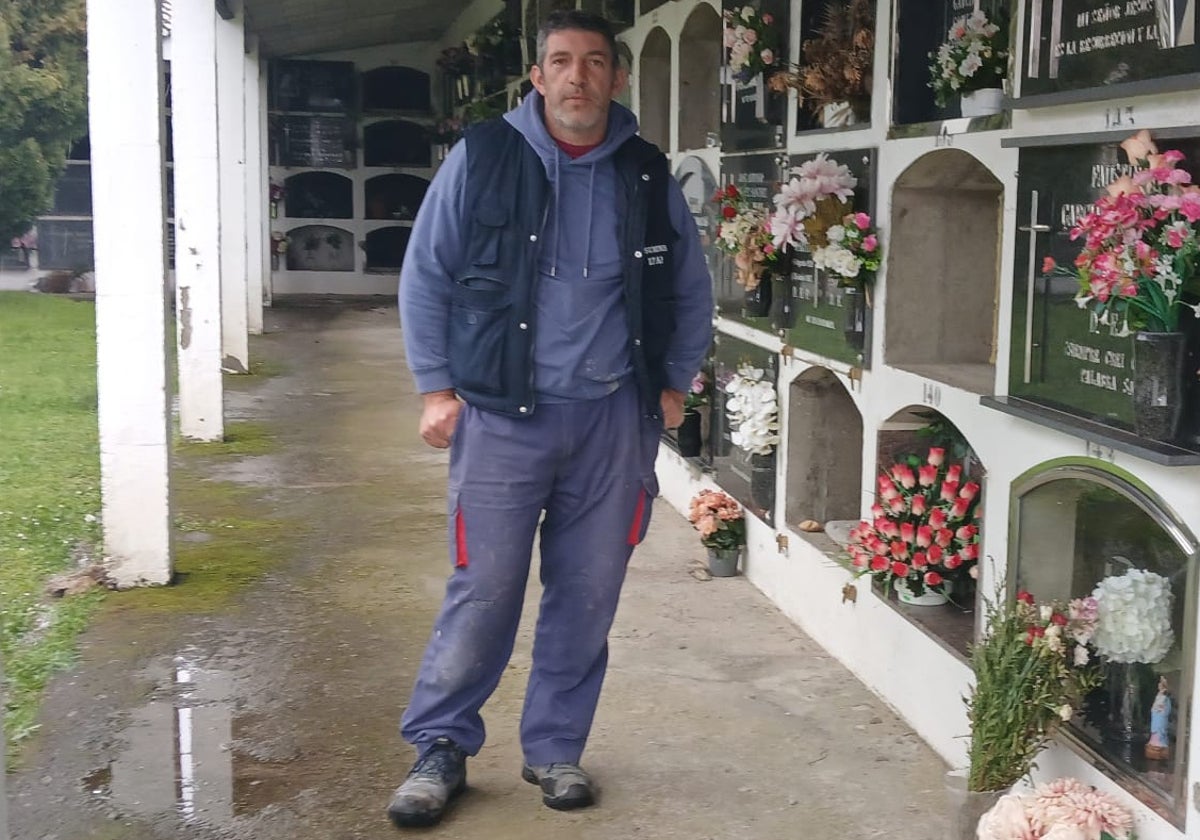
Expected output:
{"points": [[528, 119]]}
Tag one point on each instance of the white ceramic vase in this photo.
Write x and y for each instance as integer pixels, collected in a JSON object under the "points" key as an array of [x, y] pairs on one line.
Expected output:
{"points": [[838, 115], [981, 103], [928, 598]]}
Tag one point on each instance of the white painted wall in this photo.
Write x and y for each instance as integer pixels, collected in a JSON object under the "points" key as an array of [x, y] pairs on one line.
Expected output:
{"points": [[231, 141], [256, 198], [125, 87]]}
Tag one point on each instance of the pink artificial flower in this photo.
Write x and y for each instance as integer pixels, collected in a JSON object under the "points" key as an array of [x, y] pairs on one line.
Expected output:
{"points": [[927, 475], [767, 18], [954, 472], [918, 505], [952, 561], [944, 537], [937, 456], [879, 562], [898, 550], [1025, 597], [1189, 206], [933, 579], [919, 560], [965, 532], [897, 504], [904, 475], [1048, 265], [1177, 234], [937, 518], [908, 532], [870, 243], [862, 221], [924, 536], [876, 511], [960, 507], [900, 570], [935, 554], [969, 491], [949, 490]]}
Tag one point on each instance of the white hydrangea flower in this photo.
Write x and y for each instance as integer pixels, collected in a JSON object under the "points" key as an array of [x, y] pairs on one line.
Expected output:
{"points": [[1134, 618]]}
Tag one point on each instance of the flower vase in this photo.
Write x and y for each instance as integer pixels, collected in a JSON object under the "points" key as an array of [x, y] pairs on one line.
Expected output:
{"points": [[1158, 384], [1126, 685], [758, 300], [762, 481], [688, 435], [838, 115], [966, 806], [274, 209], [927, 598], [723, 562], [854, 329], [982, 103]]}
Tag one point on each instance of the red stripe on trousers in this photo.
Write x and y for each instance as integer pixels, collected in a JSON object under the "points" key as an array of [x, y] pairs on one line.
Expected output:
{"points": [[635, 530], [460, 540]]}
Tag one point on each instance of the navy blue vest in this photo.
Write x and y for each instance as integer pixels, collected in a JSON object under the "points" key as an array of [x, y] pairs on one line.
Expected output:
{"points": [[492, 313]]}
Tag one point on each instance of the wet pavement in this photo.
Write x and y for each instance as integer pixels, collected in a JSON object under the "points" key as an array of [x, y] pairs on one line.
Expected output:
{"points": [[274, 715]]}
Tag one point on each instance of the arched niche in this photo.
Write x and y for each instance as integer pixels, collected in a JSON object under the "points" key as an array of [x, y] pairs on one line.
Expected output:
{"points": [[825, 441], [654, 93], [625, 59], [1077, 525], [385, 248], [396, 89], [700, 78], [320, 248], [395, 196], [318, 195], [396, 143], [943, 271], [912, 430]]}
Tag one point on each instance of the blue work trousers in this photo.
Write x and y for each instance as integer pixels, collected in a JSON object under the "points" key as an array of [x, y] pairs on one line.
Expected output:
{"points": [[589, 466]]}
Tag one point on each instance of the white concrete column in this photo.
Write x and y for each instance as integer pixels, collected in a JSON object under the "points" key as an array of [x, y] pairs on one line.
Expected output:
{"points": [[126, 116], [197, 214], [231, 144], [257, 195], [264, 160]]}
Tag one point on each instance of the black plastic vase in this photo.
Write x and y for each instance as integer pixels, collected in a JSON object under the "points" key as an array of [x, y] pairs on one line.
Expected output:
{"points": [[1158, 384], [689, 436]]}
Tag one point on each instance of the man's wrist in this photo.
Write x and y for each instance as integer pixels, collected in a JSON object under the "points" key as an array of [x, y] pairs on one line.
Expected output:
{"points": [[444, 395]]}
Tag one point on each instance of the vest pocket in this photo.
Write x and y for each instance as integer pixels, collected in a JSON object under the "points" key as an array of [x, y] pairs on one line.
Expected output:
{"points": [[485, 244], [479, 316]]}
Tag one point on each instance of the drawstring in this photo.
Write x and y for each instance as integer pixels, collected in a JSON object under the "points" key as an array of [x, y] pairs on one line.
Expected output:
{"points": [[557, 214], [587, 231]]}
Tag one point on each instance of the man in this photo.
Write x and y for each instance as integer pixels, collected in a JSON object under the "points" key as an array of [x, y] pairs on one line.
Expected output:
{"points": [[555, 305]]}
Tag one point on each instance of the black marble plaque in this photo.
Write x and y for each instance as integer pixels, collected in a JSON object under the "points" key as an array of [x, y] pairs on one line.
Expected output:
{"points": [[1061, 357], [1079, 44], [921, 27], [822, 317], [65, 245], [396, 89], [317, 86], [312, 141], [745, 477], [752, 116], [757, 178], [320, 248]]}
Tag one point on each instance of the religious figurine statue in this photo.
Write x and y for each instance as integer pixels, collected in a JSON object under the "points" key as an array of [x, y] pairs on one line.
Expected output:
{"points": [[1158, 748]]}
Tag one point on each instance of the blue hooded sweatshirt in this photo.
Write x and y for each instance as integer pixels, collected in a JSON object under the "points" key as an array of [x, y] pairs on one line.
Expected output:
{"points": [[581, 342]]}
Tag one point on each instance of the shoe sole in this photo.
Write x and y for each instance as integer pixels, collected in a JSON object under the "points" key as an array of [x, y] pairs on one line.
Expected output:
{"points": [[425, 819], [560, 803]]}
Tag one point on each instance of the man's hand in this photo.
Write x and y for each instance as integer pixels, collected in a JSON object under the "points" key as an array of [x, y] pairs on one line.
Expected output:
{"points": [[439, 417], [672, 409]]}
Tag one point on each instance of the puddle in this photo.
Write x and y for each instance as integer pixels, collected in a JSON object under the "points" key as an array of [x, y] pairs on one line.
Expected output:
{"points": [[178, 757]]}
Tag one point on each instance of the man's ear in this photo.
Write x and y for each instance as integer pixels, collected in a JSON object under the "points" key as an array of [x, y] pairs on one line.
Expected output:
{"points": [[538, 80], [620, 81]]}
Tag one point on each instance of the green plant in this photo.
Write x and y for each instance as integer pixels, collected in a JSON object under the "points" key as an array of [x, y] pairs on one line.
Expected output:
{"points": [[719, 519], [1032, 668]]}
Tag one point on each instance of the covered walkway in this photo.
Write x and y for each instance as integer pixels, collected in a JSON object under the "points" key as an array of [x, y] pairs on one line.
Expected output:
{"points": [[269, 712]]}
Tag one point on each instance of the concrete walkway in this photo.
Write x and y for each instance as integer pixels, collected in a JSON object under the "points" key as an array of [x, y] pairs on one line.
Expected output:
{"points": [[274, 716]]}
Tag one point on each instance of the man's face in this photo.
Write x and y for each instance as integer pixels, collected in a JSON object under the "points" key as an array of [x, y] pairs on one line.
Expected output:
{"points": [[578, 81]]}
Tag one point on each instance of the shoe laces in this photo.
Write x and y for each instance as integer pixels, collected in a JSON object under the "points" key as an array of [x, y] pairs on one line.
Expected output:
{"points": [[441, 760]]}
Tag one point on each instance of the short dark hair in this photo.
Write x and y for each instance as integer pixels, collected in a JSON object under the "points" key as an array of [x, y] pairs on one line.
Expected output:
{"points": [[562, 19]]}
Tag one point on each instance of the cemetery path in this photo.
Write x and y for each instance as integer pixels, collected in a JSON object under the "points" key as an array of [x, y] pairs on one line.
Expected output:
{"points": [[274, 715]]}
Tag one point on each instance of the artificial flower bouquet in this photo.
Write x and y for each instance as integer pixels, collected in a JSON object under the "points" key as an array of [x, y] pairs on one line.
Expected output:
{"points": [[719, 519], [697, 393], [1064, 809], [851, 251], [752, 41], [974, 56], [1134, 617], [1141, 252], [743, 233], [924, 528], [1032, 668], [837, 62], [815, 199], [752, 406]]}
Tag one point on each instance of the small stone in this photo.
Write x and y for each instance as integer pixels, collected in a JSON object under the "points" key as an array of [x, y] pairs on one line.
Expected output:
{"points": [[811, 526], [701, 574], [792, 800]]}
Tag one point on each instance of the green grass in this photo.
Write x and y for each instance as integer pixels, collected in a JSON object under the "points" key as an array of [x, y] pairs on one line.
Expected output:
{"points": [[49, 487]]}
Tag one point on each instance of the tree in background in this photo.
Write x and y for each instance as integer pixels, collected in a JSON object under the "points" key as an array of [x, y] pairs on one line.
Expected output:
{"points": [[43, 103]]}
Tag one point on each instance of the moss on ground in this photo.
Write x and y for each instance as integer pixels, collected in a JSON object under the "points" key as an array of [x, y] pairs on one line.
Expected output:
{"points": [[243, 437]]}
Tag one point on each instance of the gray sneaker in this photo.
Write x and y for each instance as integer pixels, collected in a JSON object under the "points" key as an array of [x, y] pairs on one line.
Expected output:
{"points": [[564, 786], [437, 777]]}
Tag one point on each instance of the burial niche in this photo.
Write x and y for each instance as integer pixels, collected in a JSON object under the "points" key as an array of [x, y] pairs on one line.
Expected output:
{"points": [[395, 196], [825, 439], [386, 247], [396, 89], [319, 195], [943, 271], [396, 143], [700, 78], [654, 95]]}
